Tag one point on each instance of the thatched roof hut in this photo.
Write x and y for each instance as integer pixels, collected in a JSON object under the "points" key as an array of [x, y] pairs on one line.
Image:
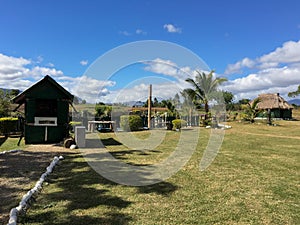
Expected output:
{"points": [[278, 106]]}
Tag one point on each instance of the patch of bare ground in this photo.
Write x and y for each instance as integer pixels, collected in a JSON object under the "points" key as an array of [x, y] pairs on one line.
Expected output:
{"points": [[20, 170]]}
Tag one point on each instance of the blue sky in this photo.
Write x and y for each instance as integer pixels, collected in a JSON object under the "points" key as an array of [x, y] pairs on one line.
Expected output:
{"points": [[253, 43]]}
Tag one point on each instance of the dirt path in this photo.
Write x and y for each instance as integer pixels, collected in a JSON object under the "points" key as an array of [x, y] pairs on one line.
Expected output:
{"points": [[19, 171]]}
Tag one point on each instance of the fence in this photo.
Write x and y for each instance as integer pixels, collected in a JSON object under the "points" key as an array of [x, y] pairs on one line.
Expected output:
{"points": [[11, 125]]}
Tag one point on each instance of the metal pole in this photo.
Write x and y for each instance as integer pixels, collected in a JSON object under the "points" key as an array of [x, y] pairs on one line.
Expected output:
{"points": [[149, 106]]}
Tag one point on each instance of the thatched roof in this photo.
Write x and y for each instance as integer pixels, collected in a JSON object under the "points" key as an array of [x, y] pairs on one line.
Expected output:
{"points": [[272, 101]]}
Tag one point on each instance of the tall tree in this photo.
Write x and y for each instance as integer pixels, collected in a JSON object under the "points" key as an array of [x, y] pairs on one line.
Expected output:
{"points": [[204, 87], [155, 102], [294, 93], [188, 104], [244, 101], [14, 92], [176, 100], [170, 106], [228, 100], [4, 103]]}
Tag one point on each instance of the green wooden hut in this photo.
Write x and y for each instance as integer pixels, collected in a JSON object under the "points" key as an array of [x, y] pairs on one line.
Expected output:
{"points": [[278, 107], [46, 111]]}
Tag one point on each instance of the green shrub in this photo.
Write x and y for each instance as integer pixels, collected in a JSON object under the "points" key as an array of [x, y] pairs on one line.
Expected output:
{"points": [[131, 122], [8, 124], [178, 123], [72, 124], [75, 123]]}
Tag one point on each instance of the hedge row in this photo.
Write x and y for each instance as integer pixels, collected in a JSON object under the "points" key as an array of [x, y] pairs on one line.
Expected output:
{"points": [[8, 125]]}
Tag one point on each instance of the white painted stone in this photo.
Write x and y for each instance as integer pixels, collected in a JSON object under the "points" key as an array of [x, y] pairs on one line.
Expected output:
{"points": [[13, 217], [80, 136], [73, 147]]}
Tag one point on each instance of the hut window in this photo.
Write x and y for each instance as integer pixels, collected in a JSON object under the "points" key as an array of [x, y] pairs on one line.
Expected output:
{"points": [[46, 107]]}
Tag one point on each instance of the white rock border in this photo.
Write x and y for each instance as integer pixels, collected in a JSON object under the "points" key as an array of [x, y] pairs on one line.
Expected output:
{"points": [[13, 216], [11, 151]]}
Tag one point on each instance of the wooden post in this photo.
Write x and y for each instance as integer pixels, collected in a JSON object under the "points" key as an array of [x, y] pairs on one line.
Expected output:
{"points": [[149, 106]]}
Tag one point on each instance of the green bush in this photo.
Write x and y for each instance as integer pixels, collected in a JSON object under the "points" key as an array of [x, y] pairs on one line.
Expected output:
{"points": [[178, 123], [131, 122], [75, 123], [8, 124], [72, 124]]}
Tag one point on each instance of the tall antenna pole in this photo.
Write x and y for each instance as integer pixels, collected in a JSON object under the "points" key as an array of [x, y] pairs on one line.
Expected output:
{"points": [[149, 106]]}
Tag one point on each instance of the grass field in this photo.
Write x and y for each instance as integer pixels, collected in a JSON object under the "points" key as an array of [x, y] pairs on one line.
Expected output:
{"points": [[7, 144], [253, 180]]}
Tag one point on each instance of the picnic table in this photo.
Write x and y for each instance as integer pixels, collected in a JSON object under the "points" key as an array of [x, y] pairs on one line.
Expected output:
{"points": [[106, 125]]}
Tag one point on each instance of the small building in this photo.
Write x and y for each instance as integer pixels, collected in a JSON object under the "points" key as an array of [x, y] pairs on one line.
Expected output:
{"points": [[279, 108], [46, 105]]}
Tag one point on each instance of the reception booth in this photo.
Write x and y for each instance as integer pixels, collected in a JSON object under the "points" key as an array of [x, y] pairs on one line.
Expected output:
{"points": [[46, 111]]}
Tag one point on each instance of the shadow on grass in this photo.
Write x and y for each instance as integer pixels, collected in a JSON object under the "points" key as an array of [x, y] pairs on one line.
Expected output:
{"points": [[17, 172], [49, 218], [2, 140], [84, 194], [78, 195], [163, 188], [110, 141], [122, 153]]}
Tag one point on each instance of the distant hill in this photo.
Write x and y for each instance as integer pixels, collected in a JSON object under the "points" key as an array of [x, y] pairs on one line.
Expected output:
{"points": [[294, 101], [5, 90]]}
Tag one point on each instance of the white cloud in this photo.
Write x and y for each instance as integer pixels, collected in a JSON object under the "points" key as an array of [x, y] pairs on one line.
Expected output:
{"points": [[169, 68], [140, 31], [84, 62], [12, 67], [267, 65], [288, 53], [137, 32], [139, 92], [20, 73], [160, 66], [125, 33], [237, 67], [270, 80], [86, 88], [50, 64], [39, 59], [20, 84], [277, 71], [38, 72], [172, 28], [164, 87]]}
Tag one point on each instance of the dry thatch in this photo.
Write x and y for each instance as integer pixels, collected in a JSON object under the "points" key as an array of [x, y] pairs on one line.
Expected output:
{"points": [[272, 101]]}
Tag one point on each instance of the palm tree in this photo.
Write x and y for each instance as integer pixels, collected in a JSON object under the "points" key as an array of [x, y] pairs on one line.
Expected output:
{"points": [[204, 88], [251, 110], [188, 104]]}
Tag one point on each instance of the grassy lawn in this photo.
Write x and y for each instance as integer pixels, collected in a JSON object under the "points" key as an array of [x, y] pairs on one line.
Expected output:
{"points": [[253, 180], [10, 144]]}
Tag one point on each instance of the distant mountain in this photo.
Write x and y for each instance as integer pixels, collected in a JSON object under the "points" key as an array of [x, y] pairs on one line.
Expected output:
{"points": [[134, 103], [294, 101], [5, 90]]}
